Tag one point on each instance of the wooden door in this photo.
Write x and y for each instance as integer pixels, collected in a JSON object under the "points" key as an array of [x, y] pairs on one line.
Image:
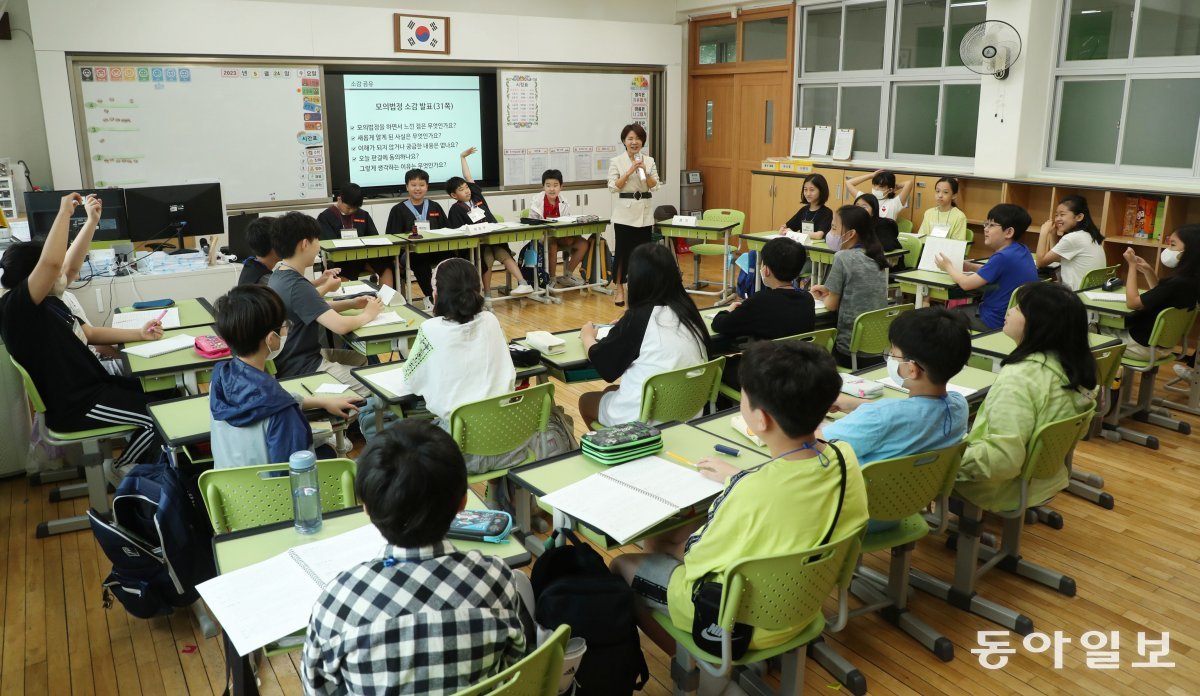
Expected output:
{"points": [[789, 197], [712, 137], [762, 197], [763, 118]]}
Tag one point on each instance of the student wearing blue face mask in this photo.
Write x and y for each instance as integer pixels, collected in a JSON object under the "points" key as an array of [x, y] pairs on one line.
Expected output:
{"points": [[857, 281]]}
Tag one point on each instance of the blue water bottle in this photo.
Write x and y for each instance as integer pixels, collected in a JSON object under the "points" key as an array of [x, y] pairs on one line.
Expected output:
{"points": [[306, 492]]}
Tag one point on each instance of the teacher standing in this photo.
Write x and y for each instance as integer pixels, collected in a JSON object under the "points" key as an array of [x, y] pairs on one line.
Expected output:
{"points": [[632, 176]]}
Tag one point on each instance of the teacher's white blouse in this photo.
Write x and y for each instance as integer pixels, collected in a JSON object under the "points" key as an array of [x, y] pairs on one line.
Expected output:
{"points": [[630, 211]]}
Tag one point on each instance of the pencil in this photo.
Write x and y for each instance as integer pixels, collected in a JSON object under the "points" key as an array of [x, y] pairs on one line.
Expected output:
{"points": [[310, 392], [672, 455]]}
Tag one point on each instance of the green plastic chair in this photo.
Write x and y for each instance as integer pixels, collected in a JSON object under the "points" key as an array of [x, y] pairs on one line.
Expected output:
{"points": [[898, 490], [678, 395], [98, 454], [1171, 329], [537, 674], [912, 246], [501, 424], [774, 593], [252, 496], [715, 249], [870, 333], [823, 338], [904, 225], [1096, 278]]}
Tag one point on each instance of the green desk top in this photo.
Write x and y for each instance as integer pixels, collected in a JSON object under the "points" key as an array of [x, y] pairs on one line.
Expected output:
{"points": [[396, 240], [935, 279], [571, 229], [572, 358], [183, 360], [1119, 309], [705, 225], [192, 312], [188, 420], [719, 424], [365, 374], [970, 377], [413, 319], [997, 345], [249, 546]]}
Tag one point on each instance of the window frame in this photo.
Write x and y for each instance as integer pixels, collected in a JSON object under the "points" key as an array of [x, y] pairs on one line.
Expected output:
{"points": [[944, 68], [1130, 61], [739, 64]]}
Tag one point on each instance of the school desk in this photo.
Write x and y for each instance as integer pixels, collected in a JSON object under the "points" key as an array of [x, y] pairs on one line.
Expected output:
{"points": [[989, 349], [548, 475], [386, 338], [571, 365], [927, 285], [822, 318], [595, 230], [180, 369], [246, 547], [1108, 314], [439, 240], [817, 250], [333, 255], [516, 233], [192, 312], [707, 231]]}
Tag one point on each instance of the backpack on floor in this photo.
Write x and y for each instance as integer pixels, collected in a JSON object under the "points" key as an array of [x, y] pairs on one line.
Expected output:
{"points": [[574, 587], [532, 258], [158, 549]]}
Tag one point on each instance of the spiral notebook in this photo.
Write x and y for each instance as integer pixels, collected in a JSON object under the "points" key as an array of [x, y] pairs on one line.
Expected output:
{"points": [[630, 498]]}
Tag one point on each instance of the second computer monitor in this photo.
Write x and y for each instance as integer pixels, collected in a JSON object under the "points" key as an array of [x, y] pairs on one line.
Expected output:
{"points": [[187, 210], [41, 208]]}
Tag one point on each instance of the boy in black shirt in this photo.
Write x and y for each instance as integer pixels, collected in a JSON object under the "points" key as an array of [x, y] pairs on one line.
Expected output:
{"points": [[470, 208], [778, 310], [347, 214], [403, 219]]}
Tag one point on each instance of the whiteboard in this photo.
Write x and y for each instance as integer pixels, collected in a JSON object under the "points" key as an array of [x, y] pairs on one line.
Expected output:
{"points": [[570, 121], [257, 129]]}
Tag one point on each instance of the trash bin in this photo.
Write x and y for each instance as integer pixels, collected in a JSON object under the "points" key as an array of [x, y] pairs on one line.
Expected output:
{"points": [[691, 193]]}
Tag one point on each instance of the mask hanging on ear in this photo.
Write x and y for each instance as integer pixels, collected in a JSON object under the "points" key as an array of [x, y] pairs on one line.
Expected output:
{"points": [[272, 354], [834, 241], [893, 370], [879, 194]]}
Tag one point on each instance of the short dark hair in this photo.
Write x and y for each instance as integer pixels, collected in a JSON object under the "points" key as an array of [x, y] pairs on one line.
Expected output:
{"points": [[18, 262], [935, 338], [635, 128], [246, 315], [459, 290], [853, 217], [412, 478], [453, 183], [258, 235], [351, 195], [795, 382], [552, 174], [1010, 215], [818, 181], [416, 174], [785, 258], [290, 229]]}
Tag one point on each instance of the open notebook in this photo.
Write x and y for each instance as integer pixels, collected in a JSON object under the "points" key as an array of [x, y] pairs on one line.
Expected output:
{"points": [[266, 601], [152, 349], [630, 498], [136, 320]]}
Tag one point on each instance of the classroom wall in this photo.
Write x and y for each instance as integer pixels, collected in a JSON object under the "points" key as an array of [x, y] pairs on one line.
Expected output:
{"points": [[23, 135], [550, 32]]}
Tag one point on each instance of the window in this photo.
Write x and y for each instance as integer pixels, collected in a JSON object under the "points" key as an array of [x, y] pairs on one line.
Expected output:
{"points": [[761, 37], [822, 40], [718, 44], [1168, 28], [856, 106], [1099, 29], [862, 45], [765, 39], [1105, 30]]}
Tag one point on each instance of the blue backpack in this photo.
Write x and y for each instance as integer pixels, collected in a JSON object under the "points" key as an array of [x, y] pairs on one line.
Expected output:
{"points": [[159, 548]]}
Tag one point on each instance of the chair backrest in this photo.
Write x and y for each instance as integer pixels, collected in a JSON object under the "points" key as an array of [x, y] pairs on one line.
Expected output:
{"points": [[1108, 362], [912, 245], [903, 486], [904, 225], [1171, 327], [524, 212], [251, 496], [499, 218], [726, 215], [782, 592], [1052, 443], [681, 394], [30, 388], [1096, 277], [871, 329], [822, 338], [537, 674], [501, 424]]}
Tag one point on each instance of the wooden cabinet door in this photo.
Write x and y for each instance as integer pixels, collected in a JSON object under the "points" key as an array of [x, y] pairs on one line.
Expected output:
{"points": [[920, 200], [762, 199], [711, 137], [836, 178], [789, 195]]}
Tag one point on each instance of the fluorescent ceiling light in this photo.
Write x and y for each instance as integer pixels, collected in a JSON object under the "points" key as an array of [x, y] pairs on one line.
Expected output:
{"points": [[1090, 12], [968, 4]]}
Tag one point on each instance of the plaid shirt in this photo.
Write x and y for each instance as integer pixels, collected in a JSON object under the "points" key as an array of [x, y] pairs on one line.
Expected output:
{"points": [[434, 621]]}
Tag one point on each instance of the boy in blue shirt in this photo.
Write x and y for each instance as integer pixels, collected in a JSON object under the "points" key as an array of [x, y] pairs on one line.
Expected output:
{"points": [[1010, 266]]}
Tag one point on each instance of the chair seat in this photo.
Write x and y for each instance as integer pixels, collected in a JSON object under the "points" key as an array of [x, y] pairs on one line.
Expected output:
{"points": [[78, 435], [710, 249], [910, 529], [1144, 365], [684, 638]]}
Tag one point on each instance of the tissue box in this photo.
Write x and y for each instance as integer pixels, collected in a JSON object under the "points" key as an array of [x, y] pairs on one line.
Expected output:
{"points": [[861, 388], [546, 343]]}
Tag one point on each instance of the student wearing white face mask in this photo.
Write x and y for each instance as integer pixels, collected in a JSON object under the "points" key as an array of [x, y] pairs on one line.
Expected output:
{"points": [[1181, 289], [857, 280], [892, 199], [254, 421]]}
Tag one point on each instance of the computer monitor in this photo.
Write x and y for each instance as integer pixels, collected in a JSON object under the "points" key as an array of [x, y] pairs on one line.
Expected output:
{"points": [[41, 207], [238, 224], [162, 212]]}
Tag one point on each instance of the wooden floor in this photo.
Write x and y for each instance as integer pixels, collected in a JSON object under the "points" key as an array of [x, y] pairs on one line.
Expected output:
{"points": [[1136, 566]]}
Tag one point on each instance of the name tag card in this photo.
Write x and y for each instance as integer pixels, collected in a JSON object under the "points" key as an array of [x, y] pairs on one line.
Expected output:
{"points": [[476, 214], [422, 225], [350, 234], [941, 231], [684, 220], [807, 228], [798, 237]]}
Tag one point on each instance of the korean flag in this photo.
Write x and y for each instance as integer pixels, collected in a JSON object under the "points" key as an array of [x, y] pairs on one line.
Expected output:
{"points": [[422, 34]]}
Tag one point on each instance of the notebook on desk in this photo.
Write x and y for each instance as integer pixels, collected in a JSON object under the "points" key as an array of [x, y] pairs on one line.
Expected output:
{"points": [[153, 349]]}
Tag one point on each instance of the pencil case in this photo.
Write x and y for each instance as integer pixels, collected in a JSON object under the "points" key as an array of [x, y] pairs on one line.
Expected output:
{"points": [[491, 526], [862, 388], [211, 347], [622, 443]]}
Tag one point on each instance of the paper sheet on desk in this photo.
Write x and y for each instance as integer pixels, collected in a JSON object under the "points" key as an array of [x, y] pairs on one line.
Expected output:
{"points": [[375, 241], [965, 391], [346, 243], [386, 294], [385, 319], [151, 349], [136, 320], [1106, 296], [330, 388], [392, 380]]}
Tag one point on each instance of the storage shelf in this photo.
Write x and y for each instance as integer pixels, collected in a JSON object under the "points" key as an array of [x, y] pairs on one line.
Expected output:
{"points": [[1133, 241]]}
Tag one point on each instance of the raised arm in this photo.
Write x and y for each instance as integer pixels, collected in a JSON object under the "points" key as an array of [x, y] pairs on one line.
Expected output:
{"points": [[854, 181], [1046, 238], [904, 191], [78, 250], [466, 168], [54, 250]]}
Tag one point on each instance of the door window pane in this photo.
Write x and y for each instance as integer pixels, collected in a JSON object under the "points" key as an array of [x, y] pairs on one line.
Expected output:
{"points": [[1168, 28], [860, 111], [718, 44], [862, 47], [822, 39], [963, 16], [765, 39], [960, 120], [1099, 29], [818, 106], [1160, 125], [915, 123], [1089, 117], [922, 28]]}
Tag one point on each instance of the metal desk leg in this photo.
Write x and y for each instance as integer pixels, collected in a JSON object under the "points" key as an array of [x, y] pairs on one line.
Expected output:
{"points": [[598, 261], [921, 296], [242, 681]]}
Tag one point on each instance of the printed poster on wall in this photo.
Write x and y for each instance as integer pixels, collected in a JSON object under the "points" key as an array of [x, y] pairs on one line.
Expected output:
{"points": [[639, 100], [521, 102]]}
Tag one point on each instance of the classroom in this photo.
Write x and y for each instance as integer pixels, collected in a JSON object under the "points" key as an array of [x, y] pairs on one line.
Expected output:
{"points": [[672, 347]]}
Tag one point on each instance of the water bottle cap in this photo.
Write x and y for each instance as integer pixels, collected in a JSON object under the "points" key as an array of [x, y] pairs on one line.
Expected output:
{"points": [[302, 461]]}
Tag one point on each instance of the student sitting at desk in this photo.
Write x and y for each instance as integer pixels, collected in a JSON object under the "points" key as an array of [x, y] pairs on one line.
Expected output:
{"points": [[256, 270], [1050, 376], [402, 222], [254, 421], [1181, 289], [814, 218], [40, 333], [423, 618], [295, 238], [347, 219], [1072, 241], [470, 207], [945, 218], [857, 282], [928, 347], [661, 331], [551, 205], [1009, 267], [779, 309], [810, 493]]}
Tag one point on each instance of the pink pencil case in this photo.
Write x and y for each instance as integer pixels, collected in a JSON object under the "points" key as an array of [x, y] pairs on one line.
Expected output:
{"points": [[211, 347]]}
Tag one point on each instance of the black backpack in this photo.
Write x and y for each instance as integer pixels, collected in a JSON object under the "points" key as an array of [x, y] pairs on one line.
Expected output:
{"points": [[574, 587], [159, 550]]}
